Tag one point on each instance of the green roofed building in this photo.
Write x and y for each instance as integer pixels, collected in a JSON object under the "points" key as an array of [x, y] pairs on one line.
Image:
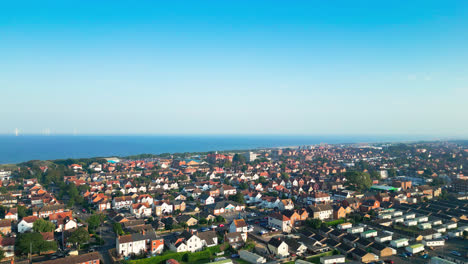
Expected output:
{"points": [[384, 188]]}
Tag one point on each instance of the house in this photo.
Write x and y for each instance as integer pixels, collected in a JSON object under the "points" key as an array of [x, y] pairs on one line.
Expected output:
{"points": [[141, 210], [208, 238], [364, 256], [26, 224], [344, 226], [369, 234], [186, 241], [286, 204], [295, 247], [5, 226], [206, 199], [398, 243], [381, 250], [47, 210], [321, 211], [122, 202], [355, 230], [236, 239], [7, 244], [140, 242], [238, 225], [319, 197], [87, 258], [12, 214], [434, 243], [333, 259], [416, 248], [189, 220], [280, 221], [278, 247], [369, 204], [251, 257], [162, 208], [223, 207], [340, 211], [227, 190]]}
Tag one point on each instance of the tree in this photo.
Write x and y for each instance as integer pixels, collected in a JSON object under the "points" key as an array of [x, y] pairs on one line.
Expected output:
{"points": [[314, 223], [23, 211], [79, 236], [2, 254], [238, 197], [35, 242], [41, 225], [117, 227], [360, 180], [238, 159], [95, 221]]}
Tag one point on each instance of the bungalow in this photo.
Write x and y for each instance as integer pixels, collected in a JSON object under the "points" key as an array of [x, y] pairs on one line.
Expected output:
{"points": [[434, 243], [381, 250], [369, 233], [398, 243], [295, 247], [251, 257], [333, 259], [416, 248], [364, 256], [355, 230]]}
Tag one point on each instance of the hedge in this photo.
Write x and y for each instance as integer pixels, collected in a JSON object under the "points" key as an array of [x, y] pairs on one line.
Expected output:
{"points": [[335, 222], [181, 256], [161, 258], [201, 255]]}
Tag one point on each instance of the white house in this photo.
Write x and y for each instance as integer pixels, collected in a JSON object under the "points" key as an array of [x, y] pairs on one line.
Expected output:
{"points": [[434, 243], [333, 259], [186, 242], [369, 233], [238, 225], [129, 244], [141, 210], [278, 247], [26, 224], [280, 221], [355, 230], [122, 202], [398, 243], [416, 248]]}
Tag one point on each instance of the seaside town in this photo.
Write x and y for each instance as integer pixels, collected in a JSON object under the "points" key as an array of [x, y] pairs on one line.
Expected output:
{"points": [[353, 203]]}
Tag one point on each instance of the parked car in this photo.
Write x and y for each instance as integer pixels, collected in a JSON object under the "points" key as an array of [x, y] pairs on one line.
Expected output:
{"points": [[203, 229], [389, 261], [214, 226], [221, 225], [456, 253]]}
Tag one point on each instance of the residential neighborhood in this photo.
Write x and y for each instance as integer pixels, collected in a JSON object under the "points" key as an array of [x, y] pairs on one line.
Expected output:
{"points": [[392, 203]]}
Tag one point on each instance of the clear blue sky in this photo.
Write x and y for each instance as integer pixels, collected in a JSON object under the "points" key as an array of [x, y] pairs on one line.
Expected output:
{"points": [[227, 67]]}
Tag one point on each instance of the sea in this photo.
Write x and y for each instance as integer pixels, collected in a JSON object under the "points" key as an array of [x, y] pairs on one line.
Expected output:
{"points": [[21, 148]]}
